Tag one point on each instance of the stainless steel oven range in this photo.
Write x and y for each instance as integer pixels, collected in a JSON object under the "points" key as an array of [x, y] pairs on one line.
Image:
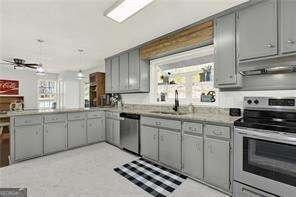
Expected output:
{"points": [[265, 148]]}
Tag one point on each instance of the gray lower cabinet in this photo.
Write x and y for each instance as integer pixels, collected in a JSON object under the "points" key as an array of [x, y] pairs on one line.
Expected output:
{"points": [[216, 163], [257, 30], [109, 130], [95, 130], [76, 133], [113, 131], [170, 148], [149, 142], [116, 132], [28, 141], [225, 52], [55, 137], [288, 27], [192, 155]]}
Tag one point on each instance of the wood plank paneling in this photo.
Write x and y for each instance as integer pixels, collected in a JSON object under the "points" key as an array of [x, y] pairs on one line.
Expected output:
{"points": [[188, 37]]}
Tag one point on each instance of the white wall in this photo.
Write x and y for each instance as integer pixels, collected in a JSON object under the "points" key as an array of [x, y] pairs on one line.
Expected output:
{"points": [[28, 82]]}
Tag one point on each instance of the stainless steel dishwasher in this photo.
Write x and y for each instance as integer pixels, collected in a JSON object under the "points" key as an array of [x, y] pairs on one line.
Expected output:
{"points": [[130, 132]]}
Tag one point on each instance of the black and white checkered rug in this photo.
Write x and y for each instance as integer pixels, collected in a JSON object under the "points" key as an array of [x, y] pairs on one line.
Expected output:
{"points": [[153, 178]]}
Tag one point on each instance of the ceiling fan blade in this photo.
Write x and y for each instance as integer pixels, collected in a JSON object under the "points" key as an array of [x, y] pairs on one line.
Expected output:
{"points": [[31, 65], [8, 61]]}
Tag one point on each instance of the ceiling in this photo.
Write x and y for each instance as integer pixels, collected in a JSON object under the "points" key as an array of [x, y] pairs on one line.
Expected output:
{"points": [[68, 25]]}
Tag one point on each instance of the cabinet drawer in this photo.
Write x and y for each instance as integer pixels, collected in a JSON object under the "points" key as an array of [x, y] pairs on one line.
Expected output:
{"points": [[76, 116], [240, 190], [114, 115], [170, 124], [55, 118], [217, 131], [27, 120], [192, 127], [95, 114]]}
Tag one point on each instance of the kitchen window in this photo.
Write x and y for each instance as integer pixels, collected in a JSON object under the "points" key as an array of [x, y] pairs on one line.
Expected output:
{"points": [[47, 94], [191, 73]]}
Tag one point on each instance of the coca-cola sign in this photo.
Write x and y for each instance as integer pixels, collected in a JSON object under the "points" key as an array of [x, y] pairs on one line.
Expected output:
{"points": [[9, 87]]}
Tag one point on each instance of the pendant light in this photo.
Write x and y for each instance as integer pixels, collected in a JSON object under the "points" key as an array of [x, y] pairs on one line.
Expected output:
{"points": [[80, 75], [40, 70]]}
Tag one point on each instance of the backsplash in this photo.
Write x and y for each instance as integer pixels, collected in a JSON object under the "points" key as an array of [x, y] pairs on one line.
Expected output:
{"points": [[225, 99]]}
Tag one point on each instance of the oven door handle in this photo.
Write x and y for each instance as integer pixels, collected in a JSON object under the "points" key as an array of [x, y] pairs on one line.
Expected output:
{"points": [[275, 137], [244, 190]]}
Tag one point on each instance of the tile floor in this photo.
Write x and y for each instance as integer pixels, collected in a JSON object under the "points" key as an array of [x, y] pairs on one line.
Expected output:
{"points": [[85, 172]]}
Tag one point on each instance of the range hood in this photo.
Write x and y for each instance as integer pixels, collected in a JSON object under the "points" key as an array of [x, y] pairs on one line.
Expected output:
{"points": [[268, 65]]}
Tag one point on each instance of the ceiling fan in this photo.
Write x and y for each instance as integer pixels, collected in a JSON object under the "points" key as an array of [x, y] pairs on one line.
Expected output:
{"points": [[20, 63]]}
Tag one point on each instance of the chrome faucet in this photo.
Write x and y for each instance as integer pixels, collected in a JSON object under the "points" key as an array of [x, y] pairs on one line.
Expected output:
{"points": [[177, 104]]}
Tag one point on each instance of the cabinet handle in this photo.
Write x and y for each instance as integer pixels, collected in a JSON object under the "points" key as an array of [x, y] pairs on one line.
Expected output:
{"points": [[291, 42], [161, 138], [37, 132], [218, 132], [154, 136], [269, 45]]}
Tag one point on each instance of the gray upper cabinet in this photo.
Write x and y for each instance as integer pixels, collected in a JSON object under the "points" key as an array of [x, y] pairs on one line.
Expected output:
{"points": [[225, 52], [149, 142], [192, 155], [257, 30], [128, 73], [76, 133], [115, 74], [134, 70], [108, 76], [28, 142], [55, 137], [124, 70], [216, 163], [288, 27], [170, 148]]}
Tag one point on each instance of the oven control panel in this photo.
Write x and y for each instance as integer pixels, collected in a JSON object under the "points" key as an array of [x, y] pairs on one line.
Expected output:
{"points": [[269, 103]]}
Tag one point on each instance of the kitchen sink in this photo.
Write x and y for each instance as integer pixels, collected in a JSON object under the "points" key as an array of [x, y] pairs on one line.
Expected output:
{"points": [[169, 113]]}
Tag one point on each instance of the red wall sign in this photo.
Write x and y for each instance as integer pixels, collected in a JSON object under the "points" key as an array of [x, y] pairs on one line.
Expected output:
{"points": [[9, 87]]}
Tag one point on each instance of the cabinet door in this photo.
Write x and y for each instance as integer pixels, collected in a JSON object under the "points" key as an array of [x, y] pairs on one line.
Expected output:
{"points": [[134, 70], [192, 157], [102, 130], [28, 141], [109, 130], [115, 74], [76, 133], [170, 148], [123, 62], [93, 130], [257, 30], [116, 132], [149, 142], [216, 164], [225, 50], [108, 76], [55, 137], [288, 27]]}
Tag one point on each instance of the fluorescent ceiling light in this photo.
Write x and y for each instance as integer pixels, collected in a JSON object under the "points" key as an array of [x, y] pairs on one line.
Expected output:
{"points": [[123, 9]]}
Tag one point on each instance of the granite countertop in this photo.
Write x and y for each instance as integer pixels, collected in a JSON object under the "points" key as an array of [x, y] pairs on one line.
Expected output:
{"points": [[48, 111], [207, 116]]}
